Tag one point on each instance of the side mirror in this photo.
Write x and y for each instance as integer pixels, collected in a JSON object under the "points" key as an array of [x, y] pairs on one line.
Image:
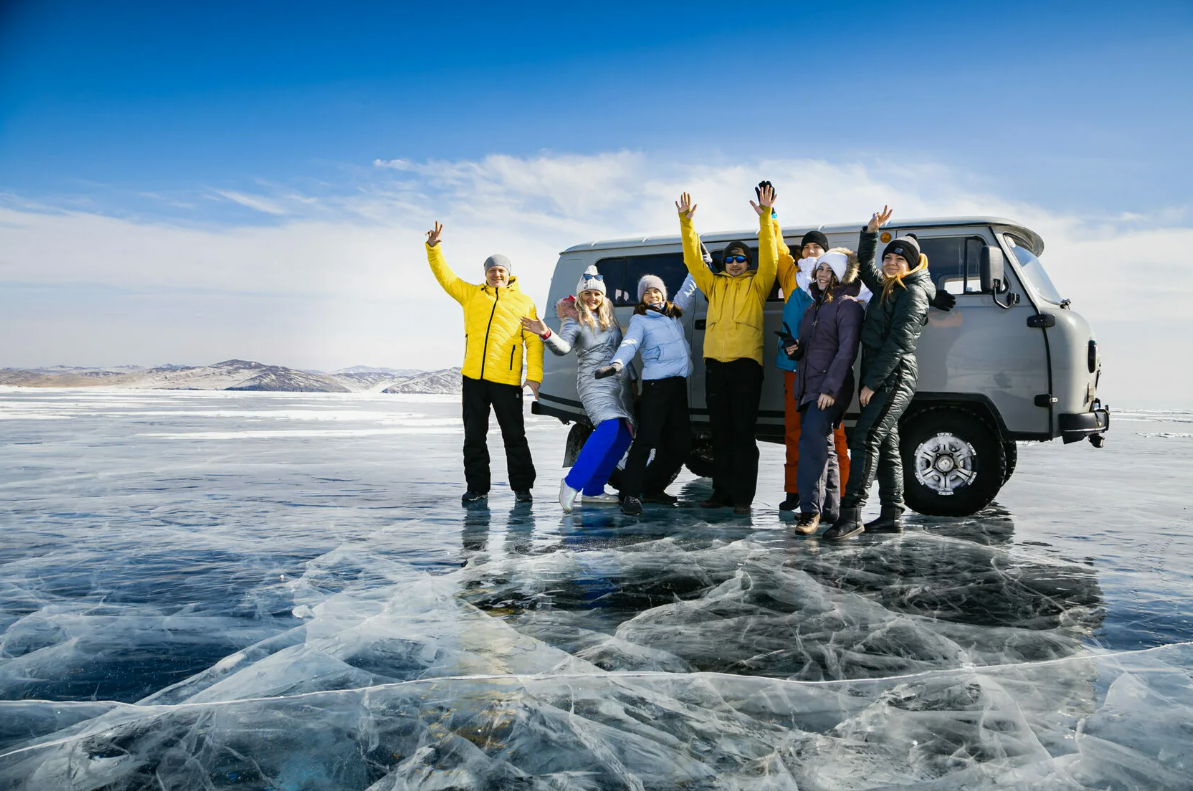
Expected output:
{"points": [[993, 280]]}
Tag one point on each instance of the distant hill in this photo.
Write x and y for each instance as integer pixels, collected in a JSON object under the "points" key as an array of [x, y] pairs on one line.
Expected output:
{"points": [[239, 375]]}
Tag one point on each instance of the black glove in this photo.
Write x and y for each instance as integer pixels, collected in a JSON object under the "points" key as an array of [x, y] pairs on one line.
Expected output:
{"points": [[758, 189], [943, 300], [605, 371], [787, 339]]}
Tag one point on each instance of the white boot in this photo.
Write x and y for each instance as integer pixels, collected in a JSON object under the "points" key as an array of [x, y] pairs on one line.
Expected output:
{"points": [[567, 496]]}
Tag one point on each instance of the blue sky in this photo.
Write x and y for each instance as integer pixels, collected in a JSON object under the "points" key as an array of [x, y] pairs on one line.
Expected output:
{"points": [[1074, 105], [189, 182]]}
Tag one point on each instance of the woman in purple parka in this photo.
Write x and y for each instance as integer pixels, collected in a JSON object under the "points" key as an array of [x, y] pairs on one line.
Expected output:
{"points": [[826, 349]]}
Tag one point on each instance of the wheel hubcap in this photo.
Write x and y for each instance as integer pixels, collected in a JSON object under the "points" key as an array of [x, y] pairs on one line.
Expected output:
{"points": [[945, 463]]}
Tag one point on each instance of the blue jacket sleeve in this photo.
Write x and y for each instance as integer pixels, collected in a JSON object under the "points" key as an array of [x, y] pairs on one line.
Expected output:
{"points": [[686, 294], [849, 332], [631, 342]]}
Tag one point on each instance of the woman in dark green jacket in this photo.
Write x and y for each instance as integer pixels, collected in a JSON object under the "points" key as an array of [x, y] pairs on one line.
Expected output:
{"points": [[896, 315]]}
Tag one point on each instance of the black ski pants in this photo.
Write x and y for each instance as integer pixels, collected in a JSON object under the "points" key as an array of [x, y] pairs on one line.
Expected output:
{"points": [[664, 426], [732, 391], [506, 402], [874, 445]]}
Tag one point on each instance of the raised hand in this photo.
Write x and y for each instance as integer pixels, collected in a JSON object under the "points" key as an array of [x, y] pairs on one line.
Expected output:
{"points": [[766, 197], [685, 205], [879, 219], [433, 235], [534, 325]]}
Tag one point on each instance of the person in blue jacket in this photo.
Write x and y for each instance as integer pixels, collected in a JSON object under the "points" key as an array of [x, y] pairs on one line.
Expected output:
{"points": [[656, 334]]}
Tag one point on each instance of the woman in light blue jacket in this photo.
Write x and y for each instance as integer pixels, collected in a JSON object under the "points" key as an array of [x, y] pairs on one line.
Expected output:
{"points": [[656, 334]]}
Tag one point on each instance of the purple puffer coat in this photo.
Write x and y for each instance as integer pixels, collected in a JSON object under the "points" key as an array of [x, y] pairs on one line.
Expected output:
{"points": [[829, 335]]}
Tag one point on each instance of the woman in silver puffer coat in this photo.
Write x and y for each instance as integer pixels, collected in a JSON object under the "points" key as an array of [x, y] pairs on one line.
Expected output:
{"points": [[591, 330]]}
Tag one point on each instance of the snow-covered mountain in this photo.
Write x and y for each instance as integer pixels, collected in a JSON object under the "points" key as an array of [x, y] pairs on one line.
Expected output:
{"points": [[238, 375]]}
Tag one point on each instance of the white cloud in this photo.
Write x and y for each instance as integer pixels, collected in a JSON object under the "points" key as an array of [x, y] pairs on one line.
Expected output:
{"points": [[342, 279]]}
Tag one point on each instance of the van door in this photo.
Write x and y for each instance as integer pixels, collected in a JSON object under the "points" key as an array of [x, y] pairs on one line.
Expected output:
{"points": [[979, 350]]}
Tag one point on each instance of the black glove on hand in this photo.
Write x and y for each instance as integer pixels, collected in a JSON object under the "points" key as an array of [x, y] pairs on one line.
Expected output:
{"points": [[758, 189], [786, 339], [605, 371], [943, 300]]}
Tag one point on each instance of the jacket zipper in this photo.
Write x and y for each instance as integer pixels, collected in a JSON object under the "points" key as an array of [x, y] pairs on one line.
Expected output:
{"points": [[485, 348], [513, 349]]}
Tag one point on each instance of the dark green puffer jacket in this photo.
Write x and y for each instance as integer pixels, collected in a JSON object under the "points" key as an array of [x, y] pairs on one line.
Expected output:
{"points": [[892, 327]]}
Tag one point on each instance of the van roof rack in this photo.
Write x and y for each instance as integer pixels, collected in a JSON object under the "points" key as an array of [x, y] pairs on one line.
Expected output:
{"points": [[1035, 243]]}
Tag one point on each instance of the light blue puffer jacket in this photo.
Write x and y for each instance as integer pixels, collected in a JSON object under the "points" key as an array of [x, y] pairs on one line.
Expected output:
{"points": [[660, 340]]}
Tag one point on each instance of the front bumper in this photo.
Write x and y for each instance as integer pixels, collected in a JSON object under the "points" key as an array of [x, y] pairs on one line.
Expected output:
{"points": [[1080, 425]]}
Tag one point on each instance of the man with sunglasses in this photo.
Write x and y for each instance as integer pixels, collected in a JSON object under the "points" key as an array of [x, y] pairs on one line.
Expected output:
{"points": [[733, 349]]}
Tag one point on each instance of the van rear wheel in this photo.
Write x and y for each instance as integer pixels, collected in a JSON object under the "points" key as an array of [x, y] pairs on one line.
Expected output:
{"points": [[953, 462]]}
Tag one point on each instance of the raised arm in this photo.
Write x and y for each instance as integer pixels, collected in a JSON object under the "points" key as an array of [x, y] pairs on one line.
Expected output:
{"points": [[562, 342], [686, 294], [692, 258], [785, 268], [867, 251], [456, 288], [768, 249]]}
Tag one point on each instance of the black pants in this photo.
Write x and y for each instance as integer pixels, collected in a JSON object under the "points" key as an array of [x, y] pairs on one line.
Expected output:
{"points": [[732, 391], [506, 401], [663, 425], [818, 475], [874, 445]]}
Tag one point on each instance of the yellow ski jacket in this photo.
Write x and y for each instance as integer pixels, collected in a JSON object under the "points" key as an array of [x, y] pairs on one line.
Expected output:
{"points": [[493, 334], [734, 324]]}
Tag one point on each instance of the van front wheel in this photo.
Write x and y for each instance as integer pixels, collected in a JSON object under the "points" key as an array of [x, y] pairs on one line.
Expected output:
{"points": [[953, 462]]}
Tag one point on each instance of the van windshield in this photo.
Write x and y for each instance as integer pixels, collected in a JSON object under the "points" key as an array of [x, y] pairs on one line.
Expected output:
{"points": [[1033, 271]]}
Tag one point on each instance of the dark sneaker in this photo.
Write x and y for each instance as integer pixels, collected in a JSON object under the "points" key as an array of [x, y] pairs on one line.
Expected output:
{"points": [[523, 496], [660, 498], [807, 523], [473, 497], [890, 520], [631, 506], [849, 524], [741, 510], [791, 503]]}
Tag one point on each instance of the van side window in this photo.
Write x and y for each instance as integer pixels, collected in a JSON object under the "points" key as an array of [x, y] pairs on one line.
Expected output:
{"points": [[623, 272], [954, 262]]}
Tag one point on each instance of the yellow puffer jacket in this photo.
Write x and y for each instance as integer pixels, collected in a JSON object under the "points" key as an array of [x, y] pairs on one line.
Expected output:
{"points": [[734, 323], [493, 334]]}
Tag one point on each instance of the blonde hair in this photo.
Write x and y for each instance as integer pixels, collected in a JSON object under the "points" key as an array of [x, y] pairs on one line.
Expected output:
{"points": [[889, 284], [604, 313]]}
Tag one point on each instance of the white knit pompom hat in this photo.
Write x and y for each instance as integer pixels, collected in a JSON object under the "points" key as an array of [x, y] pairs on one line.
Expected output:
{"points": [[591, 280]]}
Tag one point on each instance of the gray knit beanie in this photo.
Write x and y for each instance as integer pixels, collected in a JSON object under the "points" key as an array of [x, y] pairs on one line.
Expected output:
{"points": [[498, 260], [651, 281]]}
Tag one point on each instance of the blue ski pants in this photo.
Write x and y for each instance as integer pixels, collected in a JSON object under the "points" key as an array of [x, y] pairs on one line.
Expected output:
{"points": [[598, 458]]}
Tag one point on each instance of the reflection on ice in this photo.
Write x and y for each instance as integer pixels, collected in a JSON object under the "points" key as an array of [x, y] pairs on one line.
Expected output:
{"points": [[307, 613]]}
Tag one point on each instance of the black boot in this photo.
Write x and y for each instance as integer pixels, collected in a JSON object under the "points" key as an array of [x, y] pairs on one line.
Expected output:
{"points": [[890, 520], [791, 503], [847, 525]]}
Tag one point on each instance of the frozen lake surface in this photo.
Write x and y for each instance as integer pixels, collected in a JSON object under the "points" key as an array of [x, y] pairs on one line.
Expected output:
{"points": [[208, 590]]}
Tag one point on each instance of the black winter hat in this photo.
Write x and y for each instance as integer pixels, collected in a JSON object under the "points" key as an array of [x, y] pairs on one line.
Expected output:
{"points": [[906, 246], [814, 237], [736, 248]]}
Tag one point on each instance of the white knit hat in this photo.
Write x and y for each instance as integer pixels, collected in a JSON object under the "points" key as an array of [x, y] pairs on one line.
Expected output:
{"points": [[839, 262], [651, 281], [591, 280]]}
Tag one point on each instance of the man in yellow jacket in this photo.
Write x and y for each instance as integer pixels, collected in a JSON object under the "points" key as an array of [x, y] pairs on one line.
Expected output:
{"points": [[733, 350], [493, 343]]}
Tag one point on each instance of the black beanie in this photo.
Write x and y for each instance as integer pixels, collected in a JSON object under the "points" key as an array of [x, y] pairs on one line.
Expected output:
{"points": [[735, 248], [907, 247], [814, 237]]}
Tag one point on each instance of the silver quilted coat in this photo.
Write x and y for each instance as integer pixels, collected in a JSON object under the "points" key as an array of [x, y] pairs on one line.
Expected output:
{"points": [[603, 399]]}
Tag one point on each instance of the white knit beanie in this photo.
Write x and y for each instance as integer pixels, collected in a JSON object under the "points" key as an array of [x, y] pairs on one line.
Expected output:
{"points": [[591, 280], [651, 281], [838, 261]]}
